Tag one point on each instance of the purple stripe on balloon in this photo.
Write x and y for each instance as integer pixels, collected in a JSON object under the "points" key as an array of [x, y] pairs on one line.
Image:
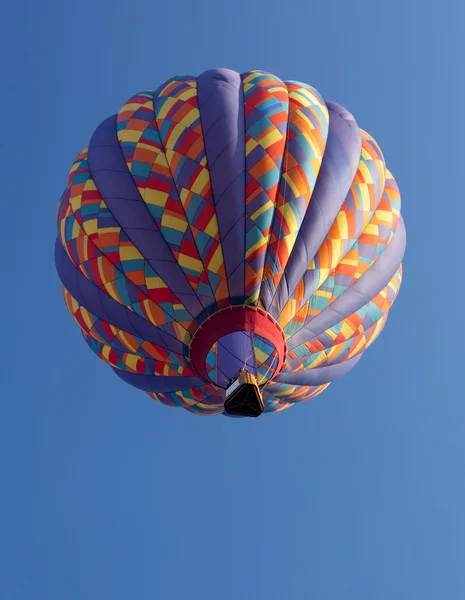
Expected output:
{"points": [[221, 105], [337, 172], [104, 307], [357, 295], [318, 376], [119, 191], [156, 383]]}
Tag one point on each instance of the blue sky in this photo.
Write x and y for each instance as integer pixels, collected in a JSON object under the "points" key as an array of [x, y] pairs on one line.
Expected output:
{"points": [[359, 494]]}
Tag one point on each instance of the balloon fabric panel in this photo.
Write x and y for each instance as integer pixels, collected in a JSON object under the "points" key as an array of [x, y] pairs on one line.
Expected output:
{"points": [[225, 191]]}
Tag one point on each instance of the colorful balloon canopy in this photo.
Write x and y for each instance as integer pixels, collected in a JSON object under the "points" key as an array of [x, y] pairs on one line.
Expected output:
{"points": [[226, 221]]}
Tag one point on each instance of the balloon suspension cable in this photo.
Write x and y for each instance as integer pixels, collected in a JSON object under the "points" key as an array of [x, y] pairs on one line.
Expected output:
{"points": [[285, 186], [266, 374], [283, 173], [251, 352]]}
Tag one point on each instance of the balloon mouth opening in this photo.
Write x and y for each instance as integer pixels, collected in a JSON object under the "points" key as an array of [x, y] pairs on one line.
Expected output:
{"points": [[209, 345]]}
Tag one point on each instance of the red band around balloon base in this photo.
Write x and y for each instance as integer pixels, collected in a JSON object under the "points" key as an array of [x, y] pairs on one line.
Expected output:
{"points": [[232, 319]]}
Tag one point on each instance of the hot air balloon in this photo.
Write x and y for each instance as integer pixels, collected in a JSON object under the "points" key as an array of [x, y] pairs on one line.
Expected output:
{"points": [[230, 243]]}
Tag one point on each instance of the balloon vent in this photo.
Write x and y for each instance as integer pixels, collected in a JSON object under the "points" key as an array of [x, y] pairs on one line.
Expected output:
{"points": [[243, 397]]}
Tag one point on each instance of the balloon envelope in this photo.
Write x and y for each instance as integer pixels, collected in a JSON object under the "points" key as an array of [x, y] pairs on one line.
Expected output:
{"points": [[228, 221]]}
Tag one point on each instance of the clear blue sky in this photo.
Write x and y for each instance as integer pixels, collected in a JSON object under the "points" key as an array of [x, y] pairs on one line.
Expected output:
{"points": [[359, 494]]}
